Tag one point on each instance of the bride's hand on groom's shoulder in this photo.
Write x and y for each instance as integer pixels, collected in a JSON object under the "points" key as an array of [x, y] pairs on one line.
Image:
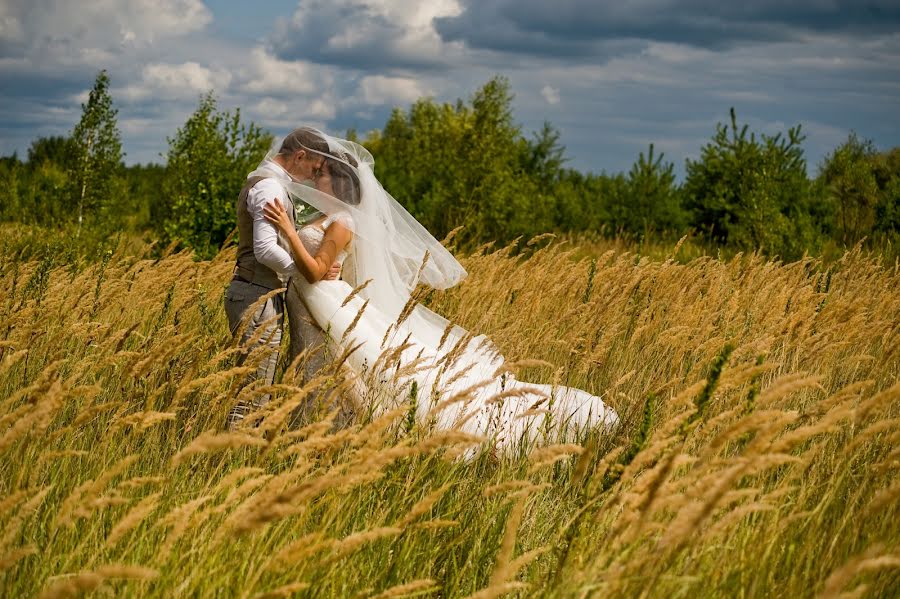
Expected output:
{"points": [[278, 216]]}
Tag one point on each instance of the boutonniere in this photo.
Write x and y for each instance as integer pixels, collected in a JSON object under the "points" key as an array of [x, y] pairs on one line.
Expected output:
{"points": [[303, 212]]}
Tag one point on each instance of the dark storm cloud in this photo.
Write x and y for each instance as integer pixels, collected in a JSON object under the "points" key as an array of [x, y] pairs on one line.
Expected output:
{"points": [[578, 27], [35, 86]]}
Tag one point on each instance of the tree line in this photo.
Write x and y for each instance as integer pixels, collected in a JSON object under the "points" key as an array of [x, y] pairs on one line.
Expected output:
{"points": [[468, 163]]}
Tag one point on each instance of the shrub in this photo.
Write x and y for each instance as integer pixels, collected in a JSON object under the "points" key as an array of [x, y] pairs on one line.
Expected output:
{"points": [[208, 162], [751, 192]]}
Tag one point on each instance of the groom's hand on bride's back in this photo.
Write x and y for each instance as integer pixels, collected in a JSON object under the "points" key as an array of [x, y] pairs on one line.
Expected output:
{"points": [[334, 273]]}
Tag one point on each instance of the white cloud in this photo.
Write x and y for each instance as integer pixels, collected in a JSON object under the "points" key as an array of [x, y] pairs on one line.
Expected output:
{"points": [[91, 31], [378, 33], [550, 94], [267, 74], [286, 93], [271, 106], [137, 125], [286, 114], [176, 81], [188, 76], [381, 90]]}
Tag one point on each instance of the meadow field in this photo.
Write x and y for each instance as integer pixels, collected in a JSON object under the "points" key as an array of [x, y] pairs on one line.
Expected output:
{"points": [[757, 455]]}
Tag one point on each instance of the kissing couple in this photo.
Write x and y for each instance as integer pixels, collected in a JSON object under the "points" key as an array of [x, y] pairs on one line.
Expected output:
{"points": [[312, 218]]}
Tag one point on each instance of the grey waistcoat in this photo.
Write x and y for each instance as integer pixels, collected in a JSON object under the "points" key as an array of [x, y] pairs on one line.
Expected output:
{"points": [[247, 267]]}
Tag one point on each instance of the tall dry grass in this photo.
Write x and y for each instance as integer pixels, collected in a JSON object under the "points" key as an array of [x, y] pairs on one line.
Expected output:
{"points": [[757, 457]]}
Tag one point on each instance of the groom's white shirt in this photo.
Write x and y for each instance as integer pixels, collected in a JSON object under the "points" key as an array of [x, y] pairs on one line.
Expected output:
{"points": [[266, 247]]}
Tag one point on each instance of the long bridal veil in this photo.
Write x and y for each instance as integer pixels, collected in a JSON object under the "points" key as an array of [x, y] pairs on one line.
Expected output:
{"points": [[371, 316]]}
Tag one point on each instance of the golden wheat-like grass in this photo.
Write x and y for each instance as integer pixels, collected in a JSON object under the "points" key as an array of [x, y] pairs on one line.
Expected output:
{"points": [[71, 586], [771, 474]]}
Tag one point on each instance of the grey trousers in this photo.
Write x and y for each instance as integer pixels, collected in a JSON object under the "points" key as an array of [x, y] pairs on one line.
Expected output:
{"points": [[238, 298], [306, 335]]}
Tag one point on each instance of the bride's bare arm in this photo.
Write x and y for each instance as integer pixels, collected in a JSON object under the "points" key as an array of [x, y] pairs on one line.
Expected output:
{"points": [[313, 268]]}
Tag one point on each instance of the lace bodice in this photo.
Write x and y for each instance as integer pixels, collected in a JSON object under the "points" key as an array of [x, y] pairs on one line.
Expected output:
{"points": [[311, 235]]}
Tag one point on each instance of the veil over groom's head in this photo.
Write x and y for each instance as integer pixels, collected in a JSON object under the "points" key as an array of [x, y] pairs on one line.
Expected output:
{"points": [[338, 165], [303, 138]]}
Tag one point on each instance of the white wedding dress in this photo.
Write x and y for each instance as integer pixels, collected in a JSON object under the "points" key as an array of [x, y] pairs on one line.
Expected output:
{"points": [[455, 383]]}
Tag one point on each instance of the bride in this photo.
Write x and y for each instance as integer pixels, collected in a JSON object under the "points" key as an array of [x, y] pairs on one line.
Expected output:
{"points": [[457, 380]]}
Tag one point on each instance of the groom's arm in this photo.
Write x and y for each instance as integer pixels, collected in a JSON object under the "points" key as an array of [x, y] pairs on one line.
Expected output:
{"points": [[266, 248], [265, 236]]}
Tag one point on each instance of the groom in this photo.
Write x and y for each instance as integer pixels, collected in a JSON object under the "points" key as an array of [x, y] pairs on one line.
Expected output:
{"points": [[264, 262]]}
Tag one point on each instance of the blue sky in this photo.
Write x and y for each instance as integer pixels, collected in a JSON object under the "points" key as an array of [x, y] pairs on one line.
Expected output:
{"points": [[613, 77]]}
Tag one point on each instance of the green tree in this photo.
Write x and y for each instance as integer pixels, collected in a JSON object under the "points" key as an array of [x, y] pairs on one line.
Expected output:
{"points": [[35, 192], [10, 187], [145, 193], [851, 188], [751, 192], [544, 156], [45, 195], [886, 167], [649, 200], [467, 164], [56, 149], [96, 152], [208, 161], [582, 200], [862, 187]]}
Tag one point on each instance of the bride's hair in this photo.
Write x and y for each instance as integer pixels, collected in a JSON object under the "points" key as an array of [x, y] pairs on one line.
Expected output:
{"points": [[344, 180], [304, 138]]}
